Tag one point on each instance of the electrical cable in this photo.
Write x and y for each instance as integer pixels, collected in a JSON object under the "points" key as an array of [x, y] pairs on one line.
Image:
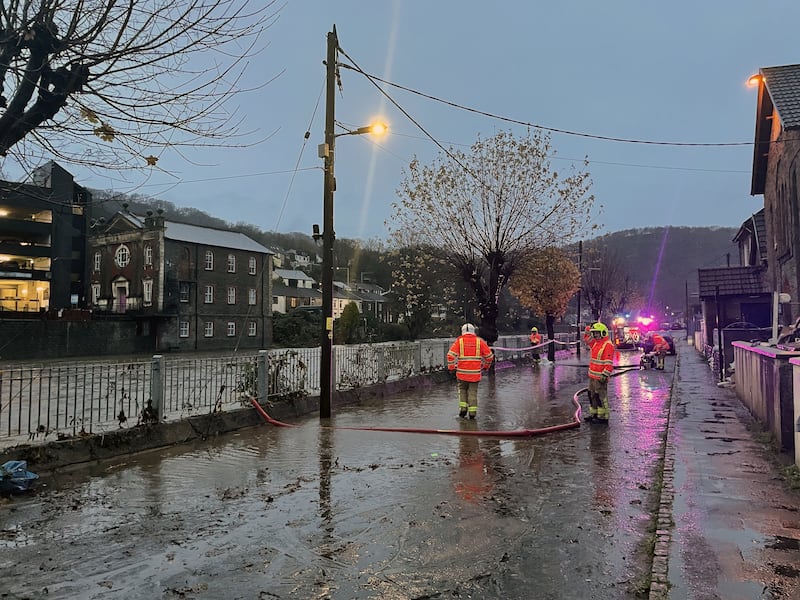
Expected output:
{"points": [[374, 78]]}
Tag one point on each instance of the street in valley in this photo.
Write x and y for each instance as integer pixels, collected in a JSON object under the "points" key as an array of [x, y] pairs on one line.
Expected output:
{"points": [[326, 512]]}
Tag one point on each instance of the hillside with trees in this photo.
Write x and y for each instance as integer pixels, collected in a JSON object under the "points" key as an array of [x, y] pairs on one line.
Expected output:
{"points": [[661, 262], [658, 263]]}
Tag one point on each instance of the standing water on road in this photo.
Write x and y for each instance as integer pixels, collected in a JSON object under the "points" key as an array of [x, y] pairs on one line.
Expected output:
{"points": [[319, 512]]}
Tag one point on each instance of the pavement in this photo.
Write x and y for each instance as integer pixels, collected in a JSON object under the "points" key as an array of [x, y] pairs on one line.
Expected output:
{"points": [[728, 524]]}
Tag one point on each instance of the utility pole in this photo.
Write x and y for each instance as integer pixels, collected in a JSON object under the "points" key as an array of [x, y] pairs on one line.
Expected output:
{"points": [[719, 335], [328, 235], [580, 293]]}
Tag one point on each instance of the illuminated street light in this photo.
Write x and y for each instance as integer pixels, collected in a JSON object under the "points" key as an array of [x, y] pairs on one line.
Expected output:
{"points": [[326, 152], [754, 80]]}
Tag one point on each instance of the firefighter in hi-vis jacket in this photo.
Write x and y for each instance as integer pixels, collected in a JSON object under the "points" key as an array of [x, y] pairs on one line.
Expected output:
{"points": [[536, 339], [660, 347], [601, 365], [469, 356]]}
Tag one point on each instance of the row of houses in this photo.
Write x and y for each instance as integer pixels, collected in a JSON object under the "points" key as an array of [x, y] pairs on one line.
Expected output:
{"points": [[750, 325], [187, 287], [763, 290], [293, 289]]}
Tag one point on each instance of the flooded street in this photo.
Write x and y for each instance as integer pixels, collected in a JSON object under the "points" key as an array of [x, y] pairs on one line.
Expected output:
{"points": [[318, 512]]}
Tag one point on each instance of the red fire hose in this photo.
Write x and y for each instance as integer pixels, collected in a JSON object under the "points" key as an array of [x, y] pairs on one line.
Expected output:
{"points": [[575, 422]]}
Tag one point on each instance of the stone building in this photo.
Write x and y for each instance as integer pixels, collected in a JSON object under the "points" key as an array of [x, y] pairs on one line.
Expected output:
{"points": [[776, 170], [193, 288]]}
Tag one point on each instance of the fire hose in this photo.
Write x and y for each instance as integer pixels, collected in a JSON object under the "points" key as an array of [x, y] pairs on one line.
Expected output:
{"points": [[513, 433]]}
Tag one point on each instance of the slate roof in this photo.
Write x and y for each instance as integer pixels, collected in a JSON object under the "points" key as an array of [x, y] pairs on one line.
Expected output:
{"points": [[783, 85], [278, 289], [212, 237], [779, 91], [291, 274], [756, 226], [183, 232], [732, 281]]}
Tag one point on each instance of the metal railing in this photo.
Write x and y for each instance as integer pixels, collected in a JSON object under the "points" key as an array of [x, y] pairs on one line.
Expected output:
{"points": [[62, 400]]}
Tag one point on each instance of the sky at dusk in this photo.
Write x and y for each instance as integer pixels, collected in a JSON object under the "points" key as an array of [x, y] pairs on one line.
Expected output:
{"points": [[639, 70]]}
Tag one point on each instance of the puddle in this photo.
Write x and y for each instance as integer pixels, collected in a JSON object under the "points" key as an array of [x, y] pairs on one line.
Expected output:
{"points": [[783, 543]]}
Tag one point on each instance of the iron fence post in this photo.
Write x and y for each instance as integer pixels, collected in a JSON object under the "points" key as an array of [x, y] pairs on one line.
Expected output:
{"points": [[262, 370], [157, 383]]}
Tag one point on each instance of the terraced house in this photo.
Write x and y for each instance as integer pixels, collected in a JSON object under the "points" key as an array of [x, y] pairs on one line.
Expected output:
{"points": [[194, 288]]}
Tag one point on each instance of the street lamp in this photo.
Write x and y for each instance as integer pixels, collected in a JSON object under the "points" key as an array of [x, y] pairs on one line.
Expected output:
{"points": [[326, 152]]}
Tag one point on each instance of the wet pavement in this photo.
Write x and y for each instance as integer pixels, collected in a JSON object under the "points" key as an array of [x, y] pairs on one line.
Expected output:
{"points": [[318, 512]]}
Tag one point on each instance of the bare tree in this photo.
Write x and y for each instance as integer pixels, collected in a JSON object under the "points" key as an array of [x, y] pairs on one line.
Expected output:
{"points": [[625, 297], [602, 278], [115, 82], [488, 208], [421, 287]]}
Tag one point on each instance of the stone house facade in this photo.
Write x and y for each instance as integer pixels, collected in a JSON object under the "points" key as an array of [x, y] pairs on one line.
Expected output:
{"points": [[776, 170], [196, 288]]}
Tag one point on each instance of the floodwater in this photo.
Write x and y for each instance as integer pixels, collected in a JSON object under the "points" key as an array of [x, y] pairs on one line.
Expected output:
{"points": [[321, 512]]}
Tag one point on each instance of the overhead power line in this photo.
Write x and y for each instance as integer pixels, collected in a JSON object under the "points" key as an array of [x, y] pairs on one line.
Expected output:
{"points": [[536, 125]]}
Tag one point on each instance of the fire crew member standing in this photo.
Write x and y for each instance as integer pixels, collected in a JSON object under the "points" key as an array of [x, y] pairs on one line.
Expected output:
{"points": [[536, 339], [660, 347], [601, 365], [468, 357]]}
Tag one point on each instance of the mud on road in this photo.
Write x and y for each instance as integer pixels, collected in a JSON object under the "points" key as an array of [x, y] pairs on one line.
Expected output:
{"points": [[317, 512]]}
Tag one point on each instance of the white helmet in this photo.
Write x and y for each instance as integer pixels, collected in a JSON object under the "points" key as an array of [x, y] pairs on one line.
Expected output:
{"points": [[467, 328]]}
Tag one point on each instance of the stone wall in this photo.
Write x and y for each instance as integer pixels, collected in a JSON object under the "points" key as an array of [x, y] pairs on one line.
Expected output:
{"points": [[40, 339]]}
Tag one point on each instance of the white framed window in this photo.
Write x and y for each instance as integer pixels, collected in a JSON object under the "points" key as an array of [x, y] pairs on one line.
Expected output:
{"points": [[231, 329], [251, 329], [251, 265], [122, 256], [95, 293], [98, 260], [231, 263], [208, 298], [148, 256], [209, 260], [147, 292], [184, 292], [231, 295], [183, 329], [208, 330], [251, 296]]}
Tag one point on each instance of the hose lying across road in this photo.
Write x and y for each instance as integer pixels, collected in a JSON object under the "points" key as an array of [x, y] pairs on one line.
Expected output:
{"points": [[513, 433]]}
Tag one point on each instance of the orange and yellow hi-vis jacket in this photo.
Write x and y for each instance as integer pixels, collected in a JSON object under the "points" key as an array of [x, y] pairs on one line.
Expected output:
{"points": [[468, 355], [601, 360], [660, 344]]}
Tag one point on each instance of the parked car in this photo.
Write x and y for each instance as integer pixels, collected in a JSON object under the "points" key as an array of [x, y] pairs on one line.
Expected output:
{"points": [[647, 344]]}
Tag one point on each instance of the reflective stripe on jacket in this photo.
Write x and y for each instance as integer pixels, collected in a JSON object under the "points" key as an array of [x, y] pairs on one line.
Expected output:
{"points": [[536, 338], [468, 355], [602, 358]]}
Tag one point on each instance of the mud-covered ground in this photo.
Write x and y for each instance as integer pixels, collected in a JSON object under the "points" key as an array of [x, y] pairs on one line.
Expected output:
{"points": [[317, 512]]}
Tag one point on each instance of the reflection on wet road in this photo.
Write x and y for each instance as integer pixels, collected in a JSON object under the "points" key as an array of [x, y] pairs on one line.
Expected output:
{"points": [[313, 512]]}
